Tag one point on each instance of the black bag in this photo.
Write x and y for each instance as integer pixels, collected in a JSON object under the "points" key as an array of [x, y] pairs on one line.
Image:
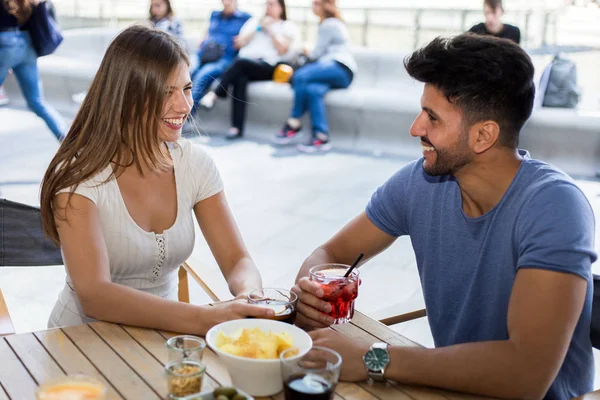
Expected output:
{"points": [[211, 52], [44, 31]]}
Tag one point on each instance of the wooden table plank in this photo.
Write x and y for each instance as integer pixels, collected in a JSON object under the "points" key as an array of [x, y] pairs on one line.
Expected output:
{"points": [[384, 391], [35, 357], [71, 360], [379, 330], [117, 372], [15, 378], [134, 355], [155, 344]]}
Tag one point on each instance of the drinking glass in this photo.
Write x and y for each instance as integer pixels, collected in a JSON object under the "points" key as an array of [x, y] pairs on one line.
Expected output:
{"points": [[185, 347], [339, 291], [312, 376], [282, 301]]}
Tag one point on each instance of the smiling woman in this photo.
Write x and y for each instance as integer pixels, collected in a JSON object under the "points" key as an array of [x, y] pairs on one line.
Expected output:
{"points": [[121, 192]]}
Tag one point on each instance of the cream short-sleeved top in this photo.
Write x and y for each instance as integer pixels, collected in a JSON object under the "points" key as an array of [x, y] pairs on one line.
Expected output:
{"points": [[143, 260]]}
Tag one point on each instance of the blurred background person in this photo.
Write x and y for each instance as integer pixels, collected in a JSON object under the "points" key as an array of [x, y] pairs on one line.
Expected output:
{"points": [[17, 53], [218, 49], [493, 25], [264, 42], [162, 17], [332, 67]]}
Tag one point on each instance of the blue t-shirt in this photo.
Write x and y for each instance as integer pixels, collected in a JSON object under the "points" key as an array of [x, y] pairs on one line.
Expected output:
{"points": [[223, 28], [467, 266]]}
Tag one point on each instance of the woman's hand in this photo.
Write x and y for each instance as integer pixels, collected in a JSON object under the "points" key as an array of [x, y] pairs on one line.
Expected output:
{"points": [[310, 308], [235, 309]]}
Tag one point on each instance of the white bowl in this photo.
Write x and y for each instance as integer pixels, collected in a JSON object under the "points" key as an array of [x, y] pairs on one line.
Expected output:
{"points": [[254, 376]]}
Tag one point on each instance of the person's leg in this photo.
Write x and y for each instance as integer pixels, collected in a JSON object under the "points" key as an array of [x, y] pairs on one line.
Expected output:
{"points": [[316, 106], [253, 70], [31, 86], [204, 77]]}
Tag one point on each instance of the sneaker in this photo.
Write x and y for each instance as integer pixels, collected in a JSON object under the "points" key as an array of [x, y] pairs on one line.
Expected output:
{"points": [[320, 144], [208, 101], [287, 134], [233, 134], [3, 97]]}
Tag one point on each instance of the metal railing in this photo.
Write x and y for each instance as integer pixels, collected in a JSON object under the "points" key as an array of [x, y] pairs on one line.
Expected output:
{"points": [[370, 26]]}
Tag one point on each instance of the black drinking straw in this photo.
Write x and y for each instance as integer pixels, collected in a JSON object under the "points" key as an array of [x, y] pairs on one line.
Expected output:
{"points": [[347, 274]]}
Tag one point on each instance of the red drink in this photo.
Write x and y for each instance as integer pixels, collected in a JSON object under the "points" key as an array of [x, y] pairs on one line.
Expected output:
{"points": [[338, 290]]}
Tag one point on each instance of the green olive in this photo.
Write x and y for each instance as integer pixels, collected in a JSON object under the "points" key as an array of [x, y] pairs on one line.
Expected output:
{"points": [[239, 396], [228, 392]]}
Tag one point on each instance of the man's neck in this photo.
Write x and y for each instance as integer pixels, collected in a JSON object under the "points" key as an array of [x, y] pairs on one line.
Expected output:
{"points": [[495, 29], [484, 183]]}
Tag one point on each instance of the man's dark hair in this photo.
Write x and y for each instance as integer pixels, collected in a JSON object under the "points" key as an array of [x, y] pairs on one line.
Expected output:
{"points": [[485, 77], [493, 4]]}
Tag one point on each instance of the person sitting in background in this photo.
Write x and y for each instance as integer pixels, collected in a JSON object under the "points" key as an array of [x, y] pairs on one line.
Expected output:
{"points": [[17, 53], [504, 243], [493, 25], [218, 49], [263, 42], [332, 67], [163, 18], [121, 193]]}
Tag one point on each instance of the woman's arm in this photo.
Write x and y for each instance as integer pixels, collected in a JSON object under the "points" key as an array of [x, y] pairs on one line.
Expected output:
{"points": [[225, 241], [327, 33], [87, 262]]}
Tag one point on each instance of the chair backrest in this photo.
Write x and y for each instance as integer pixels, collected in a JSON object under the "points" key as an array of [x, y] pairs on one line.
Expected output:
{"points": [[22, 241], [595, 326]]}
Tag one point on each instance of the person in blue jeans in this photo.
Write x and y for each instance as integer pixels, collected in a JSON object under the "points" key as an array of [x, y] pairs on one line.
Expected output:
{"points": [[223, 31], [332, 67], [17, 53]]}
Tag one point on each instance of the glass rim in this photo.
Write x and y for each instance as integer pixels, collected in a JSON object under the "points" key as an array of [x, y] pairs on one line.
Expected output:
{"points": [[169, 366], [76, 379], [354, 274], [201, 343], [320, 348], [293, 296]]}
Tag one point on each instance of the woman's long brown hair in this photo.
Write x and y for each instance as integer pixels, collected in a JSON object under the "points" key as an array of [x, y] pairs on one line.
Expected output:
{"points": [[119, 119], [20, 9]]}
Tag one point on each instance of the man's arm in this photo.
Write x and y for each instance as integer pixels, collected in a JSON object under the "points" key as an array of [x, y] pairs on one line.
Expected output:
{"points": [[543, 311], [359, 236]]}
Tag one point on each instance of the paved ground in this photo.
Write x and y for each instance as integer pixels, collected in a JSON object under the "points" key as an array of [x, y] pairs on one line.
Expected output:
{"points": [[285, 204]]}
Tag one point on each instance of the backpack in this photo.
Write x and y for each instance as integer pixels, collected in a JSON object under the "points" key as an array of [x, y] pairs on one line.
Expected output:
{"points": [[558, 84]]}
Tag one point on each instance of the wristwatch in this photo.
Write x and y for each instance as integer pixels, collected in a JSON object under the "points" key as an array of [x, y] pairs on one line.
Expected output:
{"points": [[376, 359]]}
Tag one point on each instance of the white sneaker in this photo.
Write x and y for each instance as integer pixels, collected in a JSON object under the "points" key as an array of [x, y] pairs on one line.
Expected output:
{"points": [[4, 100], [208, 101]]}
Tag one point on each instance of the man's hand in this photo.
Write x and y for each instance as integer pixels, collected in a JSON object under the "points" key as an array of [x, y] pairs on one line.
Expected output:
{"points": [[310, 308], [352, 352]]}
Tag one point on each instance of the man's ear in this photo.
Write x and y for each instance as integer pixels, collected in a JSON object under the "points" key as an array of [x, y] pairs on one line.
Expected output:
{"points": [[485, 135]]}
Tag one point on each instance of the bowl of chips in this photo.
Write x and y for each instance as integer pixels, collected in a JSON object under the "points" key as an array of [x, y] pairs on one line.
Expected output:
{"points": [[250, 349]]}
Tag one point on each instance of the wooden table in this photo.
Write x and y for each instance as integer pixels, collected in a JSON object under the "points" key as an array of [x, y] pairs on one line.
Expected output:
{"points": [[130, 361]]}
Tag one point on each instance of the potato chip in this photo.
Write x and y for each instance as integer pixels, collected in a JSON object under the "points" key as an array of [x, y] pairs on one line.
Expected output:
{"points": [[254, 343]]}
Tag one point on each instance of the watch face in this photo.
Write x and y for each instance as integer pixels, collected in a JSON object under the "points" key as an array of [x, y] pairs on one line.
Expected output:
{"points": [[376, 359]]}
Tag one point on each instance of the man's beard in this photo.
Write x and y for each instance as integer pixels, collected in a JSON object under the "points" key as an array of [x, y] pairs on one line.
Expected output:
{"points": [[449, 162]]}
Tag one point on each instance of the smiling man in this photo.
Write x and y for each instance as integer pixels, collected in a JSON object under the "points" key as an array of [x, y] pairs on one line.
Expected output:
{"points": [[503, 242]]}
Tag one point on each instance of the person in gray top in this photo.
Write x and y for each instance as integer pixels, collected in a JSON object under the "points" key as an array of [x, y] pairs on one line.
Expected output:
{"points": [[331, 66], [162, 17]]}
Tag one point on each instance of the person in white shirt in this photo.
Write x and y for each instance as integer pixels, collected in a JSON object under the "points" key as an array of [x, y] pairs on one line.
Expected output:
{"points": [[162, 17], [264, 43], [121, 194]]}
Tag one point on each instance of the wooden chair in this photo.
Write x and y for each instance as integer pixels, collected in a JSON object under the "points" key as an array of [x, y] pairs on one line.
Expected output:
{"points": [[22, 243]]}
